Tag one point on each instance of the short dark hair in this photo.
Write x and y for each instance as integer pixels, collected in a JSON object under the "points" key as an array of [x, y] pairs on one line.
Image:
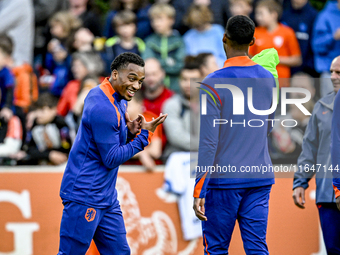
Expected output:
{"points": [[6, 44], [124, 17], [191, 63], [240, 29], [123, 60], [202, 58], [46, 99]]}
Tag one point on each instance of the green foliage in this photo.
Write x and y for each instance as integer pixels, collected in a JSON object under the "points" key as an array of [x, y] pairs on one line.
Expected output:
{"points": [[318, 4], [103, 5]]}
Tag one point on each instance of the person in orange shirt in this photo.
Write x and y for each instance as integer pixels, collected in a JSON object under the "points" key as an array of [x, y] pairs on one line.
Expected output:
{"points": [[272, 34]]}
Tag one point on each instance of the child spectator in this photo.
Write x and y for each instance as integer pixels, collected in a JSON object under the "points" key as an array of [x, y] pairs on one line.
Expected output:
{"points": [[83, 64], [88, 83], [124, 23], [25, 88], [154, 151], [58, 61], [326, 43], [10, 136], [182, 135], [82, 41], [165, 44], [139, 7], [272, 34], [220, 11], [286, 142], [203, 36], [6, 78], [49, 138], [82, 10], [241, 7], [300, 16], [207, 62]]}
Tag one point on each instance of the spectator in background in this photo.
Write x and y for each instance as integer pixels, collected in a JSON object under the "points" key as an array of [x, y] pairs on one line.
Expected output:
{"points": [[155, 92], [25, 89], [43, 10], [300, 16], [203, 36], [207, 62], [182, 135], [165, 44], [17, 20], [287, 141], [49, 139], [82, 41], [124, 23], [326, 43], [88, 83], [272, 34], [139, 7], [315, 159], [82, 10], [241, 7], [305, 81], [154, 151], [220, 11], [83, 64], [58, 61], [7, 81], [10, 136]]}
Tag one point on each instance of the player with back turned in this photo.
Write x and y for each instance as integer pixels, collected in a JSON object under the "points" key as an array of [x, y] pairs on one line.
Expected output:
{"points": [[222, 197], [106, 138]]}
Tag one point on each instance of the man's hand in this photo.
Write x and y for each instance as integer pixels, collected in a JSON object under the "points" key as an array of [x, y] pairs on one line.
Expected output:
{"points": [[6, 113], [133, 125], [337, 201], [299, 197], [199, 208], [57, 157], [151, 126], [19, 155]]}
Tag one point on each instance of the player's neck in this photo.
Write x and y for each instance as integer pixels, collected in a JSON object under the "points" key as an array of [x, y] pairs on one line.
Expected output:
{"points": [[236, 53]]}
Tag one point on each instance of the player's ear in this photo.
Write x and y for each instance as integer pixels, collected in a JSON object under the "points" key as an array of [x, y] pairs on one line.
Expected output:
{"points": [[224, 40], [114, 74], [252, 42]]}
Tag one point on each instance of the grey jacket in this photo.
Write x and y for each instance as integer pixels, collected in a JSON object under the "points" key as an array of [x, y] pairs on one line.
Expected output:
{"points": [[17, 20], [181, 127], [316, 150]]}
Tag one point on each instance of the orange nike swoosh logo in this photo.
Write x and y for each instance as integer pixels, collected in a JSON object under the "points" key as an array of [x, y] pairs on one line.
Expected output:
{"points": [[325, 112]]}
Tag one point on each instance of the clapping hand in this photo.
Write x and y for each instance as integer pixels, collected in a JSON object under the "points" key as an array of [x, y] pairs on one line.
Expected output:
{"points": [[151, 126]]}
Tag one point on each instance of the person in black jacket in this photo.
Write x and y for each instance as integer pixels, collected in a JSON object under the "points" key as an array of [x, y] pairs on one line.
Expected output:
{"points": [[48, 141]]}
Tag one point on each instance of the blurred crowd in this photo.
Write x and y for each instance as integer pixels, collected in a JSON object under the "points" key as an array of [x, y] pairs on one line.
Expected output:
{"points": [[52, 52]]}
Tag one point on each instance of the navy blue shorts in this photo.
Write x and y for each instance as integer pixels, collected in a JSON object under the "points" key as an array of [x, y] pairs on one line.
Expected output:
{"points": [[249, 206], [80, 224], [330, 224]]}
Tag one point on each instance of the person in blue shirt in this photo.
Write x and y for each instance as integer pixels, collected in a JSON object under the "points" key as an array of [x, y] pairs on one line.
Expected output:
{"points": [[300, 16], [224, 196], [106, 138], [326, 42], [315, 160]]}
